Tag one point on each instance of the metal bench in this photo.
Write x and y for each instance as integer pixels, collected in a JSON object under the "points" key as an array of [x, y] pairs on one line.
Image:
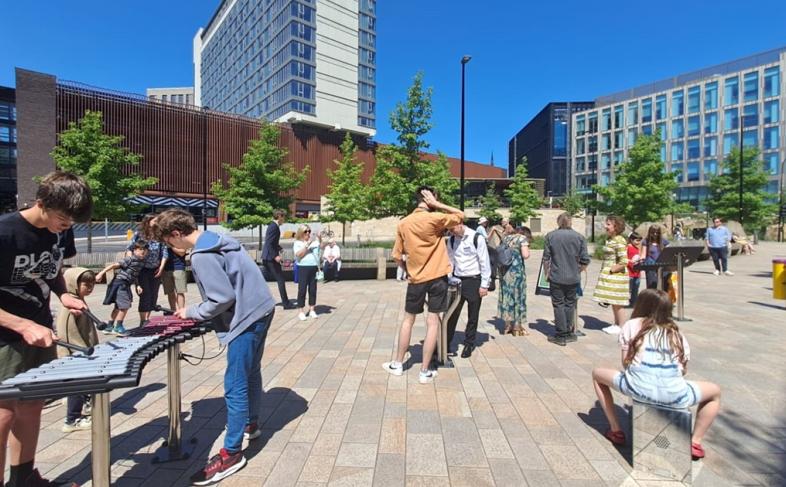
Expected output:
{"points": [[661, 441]]}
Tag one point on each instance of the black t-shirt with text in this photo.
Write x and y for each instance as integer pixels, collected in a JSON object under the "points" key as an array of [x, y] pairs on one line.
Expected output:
{"points": [[30, 261]]}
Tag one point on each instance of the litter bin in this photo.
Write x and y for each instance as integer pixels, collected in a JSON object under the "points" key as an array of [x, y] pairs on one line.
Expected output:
{"points": [[779, 278]]}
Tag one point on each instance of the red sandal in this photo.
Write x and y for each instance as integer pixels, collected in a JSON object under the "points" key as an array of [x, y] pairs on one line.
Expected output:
{"points": [[616, 437], [696, 451]]}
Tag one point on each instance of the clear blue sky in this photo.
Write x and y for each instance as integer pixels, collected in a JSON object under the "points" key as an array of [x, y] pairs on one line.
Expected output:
{"points": [[524, 53]]}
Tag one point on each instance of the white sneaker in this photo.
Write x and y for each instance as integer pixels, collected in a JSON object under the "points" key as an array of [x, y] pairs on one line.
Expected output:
{"points": [[612, 330], [80, 424], [427, 376], [313, 314], [729, 273], [302, 316], [393, 368], [717, 273]]}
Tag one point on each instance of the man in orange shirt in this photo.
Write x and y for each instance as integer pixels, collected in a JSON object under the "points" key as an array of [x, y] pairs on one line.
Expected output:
{"points": [[420, 235]]}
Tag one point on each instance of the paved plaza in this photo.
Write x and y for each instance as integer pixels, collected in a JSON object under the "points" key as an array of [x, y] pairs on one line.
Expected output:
{"points": [[520, 411]]}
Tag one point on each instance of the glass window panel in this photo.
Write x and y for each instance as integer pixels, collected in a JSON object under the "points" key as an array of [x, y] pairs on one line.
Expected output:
{"points": [[677, 151], [694, 126], [660, 107], [605, 161], [711, 123], [580, 146], [731, 119], [633, 113], [752, 86], [581, 125], [771, 163], [592, 121], [663, 152], [710, 146], [580, 164], [711, 96], [632, 137], [710, 168], [750, 115], [694, 99], [664, 134], [619, 157], [730, 140], [772, 111], [772, 81], [677, 103], [592, 163], [694, 151], [619, 115], [646, 129], [731, 91], [677, 129], [605, 142], [592, 143], [604, 179], [693, 171], [646, 110], [772, 137], [605, 123], [5, 110]]}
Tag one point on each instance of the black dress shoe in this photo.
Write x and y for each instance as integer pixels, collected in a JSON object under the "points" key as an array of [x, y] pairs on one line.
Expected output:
{"points": [[467, 351], [579, 333], [572, 337], [558, 340]]}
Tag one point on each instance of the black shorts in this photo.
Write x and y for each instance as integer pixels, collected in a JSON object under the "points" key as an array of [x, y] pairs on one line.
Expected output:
{"points": [[437, 291], [17, 357], [118, 292]]}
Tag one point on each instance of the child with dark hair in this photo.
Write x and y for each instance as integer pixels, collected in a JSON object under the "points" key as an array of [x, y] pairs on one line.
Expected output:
{"points": [[34, 241], [118, 292], [655, 359], [76, 330]]}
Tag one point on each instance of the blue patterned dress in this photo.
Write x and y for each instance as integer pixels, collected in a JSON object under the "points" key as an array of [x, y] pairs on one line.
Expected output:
{"points": [[513, 295]]}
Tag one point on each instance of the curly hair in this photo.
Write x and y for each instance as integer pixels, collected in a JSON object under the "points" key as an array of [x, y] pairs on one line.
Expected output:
{"points": [[619, 223]]}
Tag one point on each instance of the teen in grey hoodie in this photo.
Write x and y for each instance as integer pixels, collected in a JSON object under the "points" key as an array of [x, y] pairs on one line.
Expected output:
{"points": [[235, 297]]}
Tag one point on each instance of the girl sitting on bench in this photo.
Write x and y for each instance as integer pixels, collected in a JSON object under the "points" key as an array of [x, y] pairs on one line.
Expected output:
{"points": [[655, 357]]}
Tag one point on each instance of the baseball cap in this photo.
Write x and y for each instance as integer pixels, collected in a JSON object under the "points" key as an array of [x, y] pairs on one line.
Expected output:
{"points": [[482, 220]]}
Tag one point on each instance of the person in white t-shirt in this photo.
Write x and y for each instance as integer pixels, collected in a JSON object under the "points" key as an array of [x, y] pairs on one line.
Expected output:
{"points": [[331, 261]]}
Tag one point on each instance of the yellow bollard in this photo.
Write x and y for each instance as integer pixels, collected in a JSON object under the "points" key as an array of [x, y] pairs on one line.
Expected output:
{"points": [[129, 234], [779, 278]]}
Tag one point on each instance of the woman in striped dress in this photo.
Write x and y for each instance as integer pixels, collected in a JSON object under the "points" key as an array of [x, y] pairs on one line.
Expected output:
{"points": [[612, 288]]}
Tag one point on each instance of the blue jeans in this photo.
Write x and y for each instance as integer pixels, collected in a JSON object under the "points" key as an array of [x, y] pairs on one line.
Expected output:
{"points": [[633, 284], [720, 258], [243, 381]]}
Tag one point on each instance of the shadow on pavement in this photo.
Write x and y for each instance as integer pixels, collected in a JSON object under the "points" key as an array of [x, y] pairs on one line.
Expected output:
{"points": [[596, 419]]}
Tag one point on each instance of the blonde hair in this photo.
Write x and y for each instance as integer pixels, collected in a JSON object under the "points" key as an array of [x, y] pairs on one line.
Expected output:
{"points": [[302, 231]]}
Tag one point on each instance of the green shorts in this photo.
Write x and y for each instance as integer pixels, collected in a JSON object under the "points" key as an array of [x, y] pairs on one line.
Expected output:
{"points": [[174, 282], [18, 357]]}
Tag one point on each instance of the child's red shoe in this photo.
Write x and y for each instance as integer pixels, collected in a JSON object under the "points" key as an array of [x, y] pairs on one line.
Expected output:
{"points": [[696, 451], [616, 437]]}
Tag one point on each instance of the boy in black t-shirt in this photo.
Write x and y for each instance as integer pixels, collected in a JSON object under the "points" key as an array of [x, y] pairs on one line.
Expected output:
{"points": [[34, 243]]}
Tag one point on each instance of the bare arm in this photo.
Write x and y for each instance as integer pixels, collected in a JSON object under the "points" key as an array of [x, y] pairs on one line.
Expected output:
{"points": [[32, 333], [432, 203]]}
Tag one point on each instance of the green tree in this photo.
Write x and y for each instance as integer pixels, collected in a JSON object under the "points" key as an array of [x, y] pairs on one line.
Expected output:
{"points": [[401, 167], [642, 191], [489, 205], [573, 203], [85, 149], [347, 194], [262, 182], [524, 199], [724, 197]]}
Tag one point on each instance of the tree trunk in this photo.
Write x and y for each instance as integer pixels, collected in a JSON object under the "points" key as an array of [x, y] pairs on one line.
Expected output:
{"points": [[89, 237]]}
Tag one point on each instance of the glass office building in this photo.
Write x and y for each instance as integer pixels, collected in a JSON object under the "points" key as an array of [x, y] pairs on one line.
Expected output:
{"points": [[700, 115], [297, 61], [8, 151]]}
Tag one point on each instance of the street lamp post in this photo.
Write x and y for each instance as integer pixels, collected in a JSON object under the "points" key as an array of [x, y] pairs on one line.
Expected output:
{"points": [[780, 202], [742, 124], [204, 168], [464, 61]]}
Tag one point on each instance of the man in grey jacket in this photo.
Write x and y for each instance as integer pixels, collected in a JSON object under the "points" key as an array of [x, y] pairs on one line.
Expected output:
{"points": [[236, 298], [564, 257]]}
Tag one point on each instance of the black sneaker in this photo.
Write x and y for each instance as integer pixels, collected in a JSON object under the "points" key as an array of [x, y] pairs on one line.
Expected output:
{"points": [[35, 480], [579, 333], [558, 340], [571, 337], [219, 467]]}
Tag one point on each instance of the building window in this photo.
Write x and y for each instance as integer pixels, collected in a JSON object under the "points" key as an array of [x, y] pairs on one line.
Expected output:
{"points": [[731, 119], [772, 137], [730, 140], [694, 126], [711, 123], [633, 113], [750, 138], [605, 161], [631, 137], [752, 86], [731, 91], [7, 111], [677, 151], [710, 168], [771, 163], [664, 134], [580, 164], [592, 121], [592, 143], [619, 140], [693, 171], [7, 134], [560, 136], [619, 158], [772, 111], [694, 149], [605, 142], [750, 114], [580, 146], [581, 126], [710, 146], [772, 81], [711, 96], [592, 163], [646, 110], [660, 107], [677, 129], [605, 123], [619, 115], [646, 129], [663, 152], [694, 99], [677, 103]]}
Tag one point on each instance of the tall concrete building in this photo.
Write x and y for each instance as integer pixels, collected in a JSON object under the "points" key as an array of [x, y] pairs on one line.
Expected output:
{"points": [[700, 116], [296, 61], [179, 96]]}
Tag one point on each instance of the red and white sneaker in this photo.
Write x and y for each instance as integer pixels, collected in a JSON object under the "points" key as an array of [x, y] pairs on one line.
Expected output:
{"points": [[219, 467]]}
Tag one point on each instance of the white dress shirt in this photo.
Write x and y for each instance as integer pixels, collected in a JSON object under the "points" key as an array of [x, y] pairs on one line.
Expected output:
{"points": [[467, 260]]}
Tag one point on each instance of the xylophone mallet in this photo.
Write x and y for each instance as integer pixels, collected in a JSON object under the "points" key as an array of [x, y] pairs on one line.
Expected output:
{"points": [[101, 325], [87, 351], [164, 310]]}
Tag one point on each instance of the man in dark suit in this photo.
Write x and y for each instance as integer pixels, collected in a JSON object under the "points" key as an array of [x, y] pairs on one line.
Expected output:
{"points": [[271, 255]]}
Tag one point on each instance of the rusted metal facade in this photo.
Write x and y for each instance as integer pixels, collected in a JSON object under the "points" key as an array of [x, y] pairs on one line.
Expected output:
{"points": [[178, 142]]}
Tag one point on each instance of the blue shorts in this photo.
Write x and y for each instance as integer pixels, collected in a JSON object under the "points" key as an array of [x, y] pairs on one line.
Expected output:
{"points": [[677, 398]]}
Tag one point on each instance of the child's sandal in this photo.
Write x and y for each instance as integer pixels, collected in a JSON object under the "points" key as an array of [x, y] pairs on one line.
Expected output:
{"points": [[696, 451]]}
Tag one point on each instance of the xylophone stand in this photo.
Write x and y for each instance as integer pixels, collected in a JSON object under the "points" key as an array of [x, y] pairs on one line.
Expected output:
{"points": [[454, 295], [101, 462], [173, 449]]}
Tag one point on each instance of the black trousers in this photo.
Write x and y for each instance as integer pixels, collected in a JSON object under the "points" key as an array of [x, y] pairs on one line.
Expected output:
{"points": [[74, 405], [563, 300], [273, 269], [331, 270], [470, 294], [306, 280]]}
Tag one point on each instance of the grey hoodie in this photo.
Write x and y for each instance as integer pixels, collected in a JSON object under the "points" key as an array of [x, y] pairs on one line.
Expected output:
{"points": [[234, 293]]}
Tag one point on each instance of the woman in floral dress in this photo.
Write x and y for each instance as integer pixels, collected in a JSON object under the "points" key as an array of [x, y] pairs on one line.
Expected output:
{"points": [[513, 296], [613, 287]]}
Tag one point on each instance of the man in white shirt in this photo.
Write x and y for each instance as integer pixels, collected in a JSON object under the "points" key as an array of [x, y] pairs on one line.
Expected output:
{"points": [[482, 224], [331, 261], [469, 257]]}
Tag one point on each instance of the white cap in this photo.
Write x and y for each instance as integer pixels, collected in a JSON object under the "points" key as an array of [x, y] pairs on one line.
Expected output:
{"points": [[482, 220]]}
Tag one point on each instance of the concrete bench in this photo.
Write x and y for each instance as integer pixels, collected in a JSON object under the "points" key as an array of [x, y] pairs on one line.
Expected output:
{"points": [[661, 441]]}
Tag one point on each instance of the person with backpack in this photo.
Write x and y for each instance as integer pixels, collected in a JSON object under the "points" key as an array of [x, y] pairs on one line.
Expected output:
{"points": [[471, 267], [512, 305]]}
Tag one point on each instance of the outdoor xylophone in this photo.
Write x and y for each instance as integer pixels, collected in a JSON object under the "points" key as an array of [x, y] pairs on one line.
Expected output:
{"points": [[108, 366]]}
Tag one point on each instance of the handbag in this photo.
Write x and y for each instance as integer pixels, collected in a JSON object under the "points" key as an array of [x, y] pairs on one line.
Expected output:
{"points": [[320, 275]]}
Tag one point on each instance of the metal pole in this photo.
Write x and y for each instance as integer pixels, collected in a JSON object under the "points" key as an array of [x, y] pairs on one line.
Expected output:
{"points": [[106, 229], [100, 440], [173, 448], [780, 203], [680, 289], [742, 124], [464, 61], [204, 168]]}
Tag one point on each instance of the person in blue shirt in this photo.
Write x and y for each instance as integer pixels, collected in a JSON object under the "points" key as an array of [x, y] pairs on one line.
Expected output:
{"points": [[718, 239]]}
